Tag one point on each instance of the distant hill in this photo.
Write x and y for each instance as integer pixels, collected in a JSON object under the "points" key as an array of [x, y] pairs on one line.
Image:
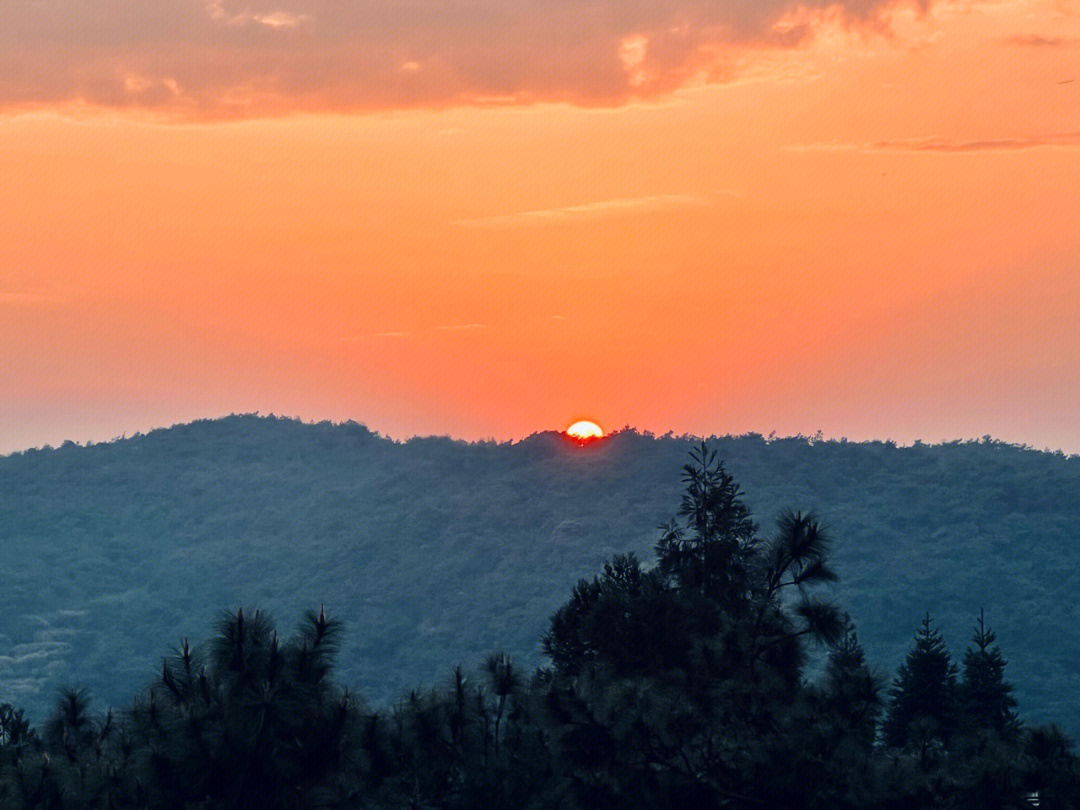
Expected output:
{"points": [[435, 552]]}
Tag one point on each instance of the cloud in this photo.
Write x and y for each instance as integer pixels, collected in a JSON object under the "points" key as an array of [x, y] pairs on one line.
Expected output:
{"points": [[826, 146], [587, 211], [1039, 41], [280, 19], [1065, 139], [25, 299], [229, 58], [273, 19], [999, 145], [424, 334], [38, 297], [37, 655]]}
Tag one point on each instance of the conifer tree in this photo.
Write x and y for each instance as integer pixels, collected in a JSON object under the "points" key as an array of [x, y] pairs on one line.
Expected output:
{"points": [[681, 685], [852, 692], [711, 550], [923, 706], [14, 727], [986, 699]]}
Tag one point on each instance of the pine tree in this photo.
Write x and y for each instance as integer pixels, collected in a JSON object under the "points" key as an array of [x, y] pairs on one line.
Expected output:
{"points": [[710, 550], [251, 723], [837, 744], [923, 707], [986, 699], [681, 685], [852, 692]]}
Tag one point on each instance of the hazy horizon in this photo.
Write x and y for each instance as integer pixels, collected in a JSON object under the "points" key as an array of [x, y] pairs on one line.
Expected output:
{"points": [[608, 431]]}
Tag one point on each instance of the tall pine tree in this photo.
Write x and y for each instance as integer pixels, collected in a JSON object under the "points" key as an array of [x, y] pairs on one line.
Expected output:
{"points": [[923, 707], [986, 699]]}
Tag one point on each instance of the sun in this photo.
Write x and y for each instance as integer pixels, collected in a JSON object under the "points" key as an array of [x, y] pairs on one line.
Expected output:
{"points": [[585, 431]]}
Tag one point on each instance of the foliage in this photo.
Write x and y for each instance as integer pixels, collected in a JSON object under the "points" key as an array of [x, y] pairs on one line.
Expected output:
{"points": [[682, 684], [113, 548], [924, 700], [986, 701]]}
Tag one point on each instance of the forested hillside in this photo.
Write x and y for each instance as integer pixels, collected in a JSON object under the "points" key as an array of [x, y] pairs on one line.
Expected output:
{"points": [[434, 552], [681, 683]]}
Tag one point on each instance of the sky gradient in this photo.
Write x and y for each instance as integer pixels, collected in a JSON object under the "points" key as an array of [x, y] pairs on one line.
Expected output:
{"points": [[491, 218]]}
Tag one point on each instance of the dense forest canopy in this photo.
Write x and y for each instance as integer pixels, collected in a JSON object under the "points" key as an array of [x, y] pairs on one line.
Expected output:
{"points": [[677, 683], [435, 551]]}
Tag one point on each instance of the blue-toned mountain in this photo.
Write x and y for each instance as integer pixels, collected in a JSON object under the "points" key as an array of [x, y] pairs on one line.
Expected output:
{"points": [[436, 551]]}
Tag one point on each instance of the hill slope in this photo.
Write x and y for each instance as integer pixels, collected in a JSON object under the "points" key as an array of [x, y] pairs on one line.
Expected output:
{"points": [[435, 552]]}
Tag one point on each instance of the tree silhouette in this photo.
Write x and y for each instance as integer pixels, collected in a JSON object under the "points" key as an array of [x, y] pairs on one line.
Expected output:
{"points": [[679, 685], [852, 693], [1051, 768], [504, 681], [837, 747], [251, 723], [682, 683], [986, 699], [923, 706], [14, 727], [710, 550]]}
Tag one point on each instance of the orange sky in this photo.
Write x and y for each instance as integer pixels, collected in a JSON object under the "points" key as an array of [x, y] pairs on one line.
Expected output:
{"points": [[700, 217]]}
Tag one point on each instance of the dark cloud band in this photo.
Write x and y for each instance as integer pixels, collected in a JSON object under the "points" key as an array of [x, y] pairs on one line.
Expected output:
{"points": [[224, 58]]}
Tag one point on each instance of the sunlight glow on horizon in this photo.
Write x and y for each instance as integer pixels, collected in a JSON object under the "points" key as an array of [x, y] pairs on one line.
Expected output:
{"points": [[584, 431]]}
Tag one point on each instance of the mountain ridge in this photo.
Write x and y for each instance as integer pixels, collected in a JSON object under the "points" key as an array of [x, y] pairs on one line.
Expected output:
{"points": [[436, 551]]}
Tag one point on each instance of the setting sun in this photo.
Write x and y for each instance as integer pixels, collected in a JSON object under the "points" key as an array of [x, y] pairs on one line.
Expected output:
{"points": [[584, 431]]}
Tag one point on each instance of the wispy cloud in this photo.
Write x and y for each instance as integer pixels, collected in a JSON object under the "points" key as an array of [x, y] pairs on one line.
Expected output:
{"points": [[989, 145], [271, 19], [408, 334], [462, 327], [587, 211], [826, 146], [369, 336], [38, 297], [1040, 41], [1064, 139]]}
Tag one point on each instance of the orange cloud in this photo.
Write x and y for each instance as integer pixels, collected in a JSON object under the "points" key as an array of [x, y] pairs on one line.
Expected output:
{"points": [[227, 58], [1063, 139], [588, 211], [940, 145], [1040, 41], [38, 296]]}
